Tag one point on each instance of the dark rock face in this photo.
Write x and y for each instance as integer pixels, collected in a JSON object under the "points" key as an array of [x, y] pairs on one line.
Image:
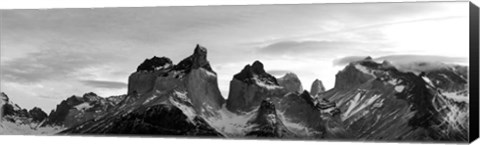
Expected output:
{"points": [[370, 101], [378, 102], [155, 120], [164, 102], [291, 83], [14, 113], [268, 124], [76, 109], [350, 77], [249, 87], [197, 60], [249, 72], [449, 79], [37, 114], [155, 63], [317, 87], [302, 109]]}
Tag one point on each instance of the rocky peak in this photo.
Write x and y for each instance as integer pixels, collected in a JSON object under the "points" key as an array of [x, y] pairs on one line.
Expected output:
{"points": [[155, 63], [257, 67], [255, 72], [90, 97], [368, 58], [3, 98], [306, 96], [290, 82], [37, 114], [197, 60], [447, 79], [351, 76], [317, 87], [266, 114], [199, 57]]}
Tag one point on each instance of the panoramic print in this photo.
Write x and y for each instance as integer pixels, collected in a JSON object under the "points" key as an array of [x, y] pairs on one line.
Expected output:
{"points": [[355, 72]]}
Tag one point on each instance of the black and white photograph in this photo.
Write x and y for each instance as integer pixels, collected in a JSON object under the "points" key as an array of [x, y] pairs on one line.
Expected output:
{"points": [[375, 72]]}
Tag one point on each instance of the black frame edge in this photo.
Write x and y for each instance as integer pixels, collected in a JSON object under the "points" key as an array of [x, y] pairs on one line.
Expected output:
{"points": [[474, 72]]}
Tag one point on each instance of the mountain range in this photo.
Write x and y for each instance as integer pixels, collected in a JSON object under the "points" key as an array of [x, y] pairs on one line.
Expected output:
{"points": [[370, 101]]}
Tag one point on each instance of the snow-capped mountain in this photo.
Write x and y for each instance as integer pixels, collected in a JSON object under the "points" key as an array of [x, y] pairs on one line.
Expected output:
{"points": [[370, 101], [379, 102], [267, 123], [17, 120], [78, 109], [14, 113], [164, 99], [250, 86]]}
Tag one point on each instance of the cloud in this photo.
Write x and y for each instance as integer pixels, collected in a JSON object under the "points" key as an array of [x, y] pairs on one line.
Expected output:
{"points": [[301, 47], [347, 60], [278, 72], [105, 84], [410, 63], [422, 58], [54, 61]]}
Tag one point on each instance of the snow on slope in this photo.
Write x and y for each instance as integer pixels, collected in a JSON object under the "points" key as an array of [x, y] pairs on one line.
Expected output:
{"points": [[10, 128], [84, 106], [231, 124], [263, 84]]}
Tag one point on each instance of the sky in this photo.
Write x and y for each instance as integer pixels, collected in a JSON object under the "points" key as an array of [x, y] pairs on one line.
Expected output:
{"points": [[48, 55]]}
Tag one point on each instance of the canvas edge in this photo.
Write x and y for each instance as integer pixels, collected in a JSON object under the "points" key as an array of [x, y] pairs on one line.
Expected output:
{"points": [[474, 71]]}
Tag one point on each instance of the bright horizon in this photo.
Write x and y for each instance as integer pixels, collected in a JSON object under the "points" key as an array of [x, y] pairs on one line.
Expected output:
{"points": [[50, 55]]}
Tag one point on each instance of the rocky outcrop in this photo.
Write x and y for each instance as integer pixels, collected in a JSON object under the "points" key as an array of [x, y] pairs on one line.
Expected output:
{"points": [[268, 124], [160, 119], [300, 108], [252, 74], [378, 102], [249, 87], [14, 113], [451, 79], [75, 110], [155, 63], [37, 114], [197, 60], [352, 76], [317, 87], [291, 83], [168, 101]]}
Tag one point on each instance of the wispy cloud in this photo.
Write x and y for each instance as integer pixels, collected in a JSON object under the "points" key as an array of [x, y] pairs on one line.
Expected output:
{"points": [[320, 48], [105, 84], [278, 72], [345, 60], [55, 61], [410, 63]]}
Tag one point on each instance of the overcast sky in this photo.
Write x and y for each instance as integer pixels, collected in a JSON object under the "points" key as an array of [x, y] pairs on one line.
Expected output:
{"points": [[49, 55]]}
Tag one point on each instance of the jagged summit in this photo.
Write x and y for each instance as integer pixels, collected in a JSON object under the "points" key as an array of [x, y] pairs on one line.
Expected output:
{"points": [[250, 74], [12, 112], [291, 82], [257, 67], [155, 63], [267, 123], [306, 96], [317, 87], [368, 58], [290, 75], [37, 114], [266, 113], [197, 60], [3, 98], [359, 72]]}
